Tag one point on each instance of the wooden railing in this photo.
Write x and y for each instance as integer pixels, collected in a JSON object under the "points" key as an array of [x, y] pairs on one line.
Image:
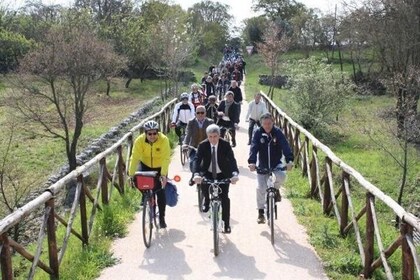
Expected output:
{"points": [[46, 204], [323, 185]]}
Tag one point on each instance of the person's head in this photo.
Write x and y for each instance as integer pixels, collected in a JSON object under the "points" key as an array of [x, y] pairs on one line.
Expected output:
{"points": [[233, 84], [200, 112], [267, 122], [151, 129], [212, 99], [229, 96], [209, 79], [213, 133], [194, 87], [257, 97], [184, 97]]}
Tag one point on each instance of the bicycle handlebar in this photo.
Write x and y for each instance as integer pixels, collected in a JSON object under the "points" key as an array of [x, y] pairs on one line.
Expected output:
{"points": [[212, 181]]}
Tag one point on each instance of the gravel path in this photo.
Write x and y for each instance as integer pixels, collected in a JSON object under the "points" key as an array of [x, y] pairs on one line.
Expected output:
{"points": [[184, 249]]}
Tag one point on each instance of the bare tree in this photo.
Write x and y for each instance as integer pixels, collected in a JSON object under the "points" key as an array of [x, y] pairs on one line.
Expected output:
{"points": [[55, 82], [275, 43]]}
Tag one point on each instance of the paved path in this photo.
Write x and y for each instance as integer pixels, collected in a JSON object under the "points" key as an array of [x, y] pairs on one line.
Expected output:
{"points": [[184, 249]]}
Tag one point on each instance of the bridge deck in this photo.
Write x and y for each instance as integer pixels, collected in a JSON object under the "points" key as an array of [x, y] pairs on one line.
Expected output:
{"points": [[184, 249]]}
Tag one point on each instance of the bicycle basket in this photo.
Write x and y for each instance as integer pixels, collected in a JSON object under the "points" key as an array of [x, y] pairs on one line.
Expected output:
{"points": [[145, 180]]}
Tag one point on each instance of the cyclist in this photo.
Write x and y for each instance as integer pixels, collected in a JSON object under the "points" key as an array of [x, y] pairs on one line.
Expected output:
{"points": [[224, 167], [211, 108], [196, 132], [228, 112], [183, 112], [151, 152], [196, 96], [266, 135], [237, 93], [256, 109], [209, 88]]}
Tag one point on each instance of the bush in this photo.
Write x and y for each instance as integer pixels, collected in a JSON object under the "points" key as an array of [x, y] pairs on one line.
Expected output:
{"points": [[318, 93]]}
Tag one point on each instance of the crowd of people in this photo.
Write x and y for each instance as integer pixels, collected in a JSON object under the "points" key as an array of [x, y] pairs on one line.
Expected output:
{"points": [[201, 118]]}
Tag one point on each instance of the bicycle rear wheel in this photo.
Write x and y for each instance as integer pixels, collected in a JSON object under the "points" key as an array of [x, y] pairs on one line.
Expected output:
{"points": [[271, 214], [183, 155], [147, 221], [200, 198], [215, 218]]}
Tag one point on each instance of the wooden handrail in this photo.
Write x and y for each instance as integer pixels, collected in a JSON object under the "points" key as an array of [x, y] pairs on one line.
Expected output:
{"points": [[375, 191], [12, 219]]}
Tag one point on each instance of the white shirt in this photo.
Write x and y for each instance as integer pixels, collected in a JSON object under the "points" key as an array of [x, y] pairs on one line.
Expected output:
{"points": [[183, 115], [255, 111], [217, 164]]}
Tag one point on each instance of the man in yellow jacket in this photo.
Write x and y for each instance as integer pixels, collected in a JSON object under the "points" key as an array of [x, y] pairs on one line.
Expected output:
{"points": [[151, 152]]}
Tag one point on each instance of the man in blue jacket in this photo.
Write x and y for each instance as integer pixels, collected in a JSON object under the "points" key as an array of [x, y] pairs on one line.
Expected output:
{"points": [[271, 136]]}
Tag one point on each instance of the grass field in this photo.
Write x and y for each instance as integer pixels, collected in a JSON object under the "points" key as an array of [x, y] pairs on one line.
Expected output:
{"points": [[348, 138]]}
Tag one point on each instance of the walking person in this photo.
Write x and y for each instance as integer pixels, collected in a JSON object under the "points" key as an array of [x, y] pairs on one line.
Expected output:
{"points": [[215, 160], [151, 152], [256, 109], [271, 136]]}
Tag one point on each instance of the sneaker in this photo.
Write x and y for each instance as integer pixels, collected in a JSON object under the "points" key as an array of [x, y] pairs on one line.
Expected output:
{"points": [[162, 223], [261, 219], [277, 196]]}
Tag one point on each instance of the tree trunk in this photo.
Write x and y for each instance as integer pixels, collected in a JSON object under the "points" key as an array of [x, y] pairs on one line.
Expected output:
{"points": [[108, 87], [127, 84]]}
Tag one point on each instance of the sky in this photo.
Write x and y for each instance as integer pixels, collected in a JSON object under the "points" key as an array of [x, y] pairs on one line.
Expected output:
{"points": [[240, 8]]}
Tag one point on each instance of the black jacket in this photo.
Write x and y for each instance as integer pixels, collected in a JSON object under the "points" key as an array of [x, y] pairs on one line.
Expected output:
{"points": [[233, 113], [225, 158], [237, 94]]}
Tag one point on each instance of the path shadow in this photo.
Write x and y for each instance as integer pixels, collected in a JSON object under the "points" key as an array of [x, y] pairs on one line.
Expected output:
{"points": [[234, 264], [164, 258], [292, 253]]}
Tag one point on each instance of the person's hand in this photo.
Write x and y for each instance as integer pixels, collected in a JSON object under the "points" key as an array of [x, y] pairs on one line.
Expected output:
{"points": [[220, 114], [197, 179], [184, 147], [236, 126], [289, 166], [234, 179], [173, 125], [163, 180], [252, 167]]}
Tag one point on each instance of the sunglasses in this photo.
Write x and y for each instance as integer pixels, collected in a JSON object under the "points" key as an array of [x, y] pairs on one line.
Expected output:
{"points": [[151, 133], [201, 113]]}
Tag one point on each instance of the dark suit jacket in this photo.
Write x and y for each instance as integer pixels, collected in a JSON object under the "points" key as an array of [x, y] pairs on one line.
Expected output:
{"points": [[191, 135], [225, 158], [233, 112]]}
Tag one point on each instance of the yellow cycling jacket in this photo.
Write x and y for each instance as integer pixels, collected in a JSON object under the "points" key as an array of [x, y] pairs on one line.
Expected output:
{"points": [[154, 155]]}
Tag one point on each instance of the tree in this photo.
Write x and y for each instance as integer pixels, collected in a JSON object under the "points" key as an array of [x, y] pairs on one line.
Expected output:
{"points": [[13, 47], [318, 93], [275, 43], [279, 9], [254, 29], [56, 80]]}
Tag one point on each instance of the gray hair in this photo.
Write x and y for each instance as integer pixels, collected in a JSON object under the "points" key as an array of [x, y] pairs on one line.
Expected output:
{"points": [[266, 116], [257, 94], [213, 128], [200, 107], [229, 93]]}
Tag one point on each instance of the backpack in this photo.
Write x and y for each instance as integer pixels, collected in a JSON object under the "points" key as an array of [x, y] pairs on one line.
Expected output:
{"points": [[171, 194]]}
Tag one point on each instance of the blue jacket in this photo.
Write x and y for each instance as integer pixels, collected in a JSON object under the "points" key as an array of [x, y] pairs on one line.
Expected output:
{"points": [[278, 147]]}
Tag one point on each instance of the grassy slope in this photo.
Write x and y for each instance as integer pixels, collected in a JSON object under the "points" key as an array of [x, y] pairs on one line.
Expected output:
{"points": [[340, 256]]}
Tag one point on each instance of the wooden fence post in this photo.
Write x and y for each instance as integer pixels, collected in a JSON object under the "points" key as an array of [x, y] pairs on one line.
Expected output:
{"points": [[344, 217], [370, 235], [305, 156], [296, 146], [6, 258], [83, 213], [52, 241], [407, 257], [120, 171], [327, 190], [314, 181], [104, 182], [285, 128]]}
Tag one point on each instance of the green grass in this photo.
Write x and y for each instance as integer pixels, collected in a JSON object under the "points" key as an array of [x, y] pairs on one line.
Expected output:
{"points": [[348, 139]]}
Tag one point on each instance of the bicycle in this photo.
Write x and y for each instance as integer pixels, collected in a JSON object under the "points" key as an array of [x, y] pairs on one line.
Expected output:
{"points": [[270, 198], [145, 182], [183, 154], [215, 213]]}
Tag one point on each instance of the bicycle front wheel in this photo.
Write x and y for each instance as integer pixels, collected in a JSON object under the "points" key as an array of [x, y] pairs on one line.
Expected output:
{"points": [[215, 217], [271, 215], [200, 198], [147, 221]]}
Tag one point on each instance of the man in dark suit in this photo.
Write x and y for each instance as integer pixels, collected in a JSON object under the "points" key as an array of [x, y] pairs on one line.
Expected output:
{"points": [[225, 167], [228, 112], [196, 133]]}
